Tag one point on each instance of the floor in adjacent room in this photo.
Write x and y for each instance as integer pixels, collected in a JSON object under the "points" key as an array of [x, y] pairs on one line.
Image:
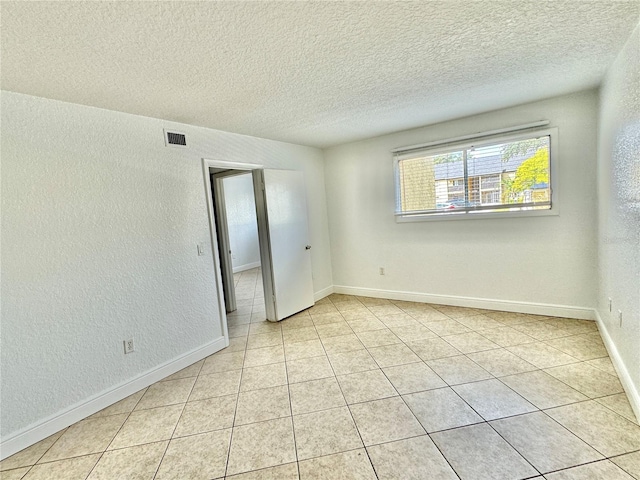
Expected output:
{"points": [[365, 388]]}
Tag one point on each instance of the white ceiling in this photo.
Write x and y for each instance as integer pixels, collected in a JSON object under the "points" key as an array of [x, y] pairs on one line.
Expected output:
{"points": [[313, 73]]}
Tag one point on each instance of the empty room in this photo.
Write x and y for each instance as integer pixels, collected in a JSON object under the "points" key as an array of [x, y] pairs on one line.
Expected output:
{"points": [[320, 240]]}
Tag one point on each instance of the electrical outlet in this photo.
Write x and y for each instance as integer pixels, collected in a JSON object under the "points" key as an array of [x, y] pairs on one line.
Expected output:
{"points": [[128, 346], [620, 317], [610, 304], [381, 270]]}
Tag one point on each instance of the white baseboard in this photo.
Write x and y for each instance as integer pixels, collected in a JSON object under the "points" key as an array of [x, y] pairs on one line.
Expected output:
{"points": [[248, 266], [631, 389], [472, 302], [47, 427], [323, 293]]}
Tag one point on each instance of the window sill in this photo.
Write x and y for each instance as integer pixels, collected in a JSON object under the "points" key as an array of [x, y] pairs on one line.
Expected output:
{"points": [[436, 217]]}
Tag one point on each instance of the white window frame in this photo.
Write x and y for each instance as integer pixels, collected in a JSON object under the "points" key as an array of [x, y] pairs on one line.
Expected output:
{"points": [[478, 142]]}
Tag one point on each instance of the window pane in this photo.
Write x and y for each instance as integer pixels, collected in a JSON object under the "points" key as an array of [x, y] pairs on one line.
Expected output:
{"points": [[508, 176]]}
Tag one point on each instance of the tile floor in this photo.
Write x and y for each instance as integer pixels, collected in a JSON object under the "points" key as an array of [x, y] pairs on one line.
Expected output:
{"points": [[364, 388]]}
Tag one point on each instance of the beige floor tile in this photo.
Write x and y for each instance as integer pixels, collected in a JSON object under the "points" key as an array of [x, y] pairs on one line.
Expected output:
{"points": [[432, 349], [478, 322], [412, 459], [385, 310], [325, 432], [239, 321], [541, 330], [327, 318], [507, 318], [385, 421], [70, 469], [447, 327], [307, 369], [441, 409], [378, 338], [587, 379], [542, 390], [427, 316], [352, 362], [413, 333], [222, 362], [402, 320], [133, 463], [165, 393], [30, 455], [353, 465], [288, 471], [391, 355], [216, 385], [194, 369], [341, 344], [238, 331], [15, 474], [294, 322], [604, 470], [573, 325], [237, 344], [501, 362], [604, 364], [366, 324], [315, 395], [147, 426], [206, 415], [264, 340], [579, 347], [413, 377], [493, 399], [264, 376], [366, 386], [322, 309], [198, 457], [619, 403], [630, 463], [307, 349], [261, 445], [477, 452], [126, 405], [460, 369], [300, 334], [470, 342], [542, 355], [264, 356], [544, 443], [506, 336], [356, 313], [264, 327], [455, 312], [604, 430], [264, 404], [333, 329], [88, 436]]}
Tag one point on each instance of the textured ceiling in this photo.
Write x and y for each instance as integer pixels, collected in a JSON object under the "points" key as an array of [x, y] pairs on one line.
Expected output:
{"points": [[313, 73]]}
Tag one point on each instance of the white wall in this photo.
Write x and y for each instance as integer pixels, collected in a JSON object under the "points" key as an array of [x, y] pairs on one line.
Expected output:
{"points": [[547, 260], [619, 213], [242, 221], [100, 223]]}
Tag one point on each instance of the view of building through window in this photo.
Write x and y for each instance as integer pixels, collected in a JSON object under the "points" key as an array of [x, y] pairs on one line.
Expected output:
{"points": [[500, 177]]}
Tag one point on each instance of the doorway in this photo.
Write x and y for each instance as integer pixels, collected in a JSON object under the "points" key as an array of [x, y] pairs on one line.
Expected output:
{"points": [[283, 237]]}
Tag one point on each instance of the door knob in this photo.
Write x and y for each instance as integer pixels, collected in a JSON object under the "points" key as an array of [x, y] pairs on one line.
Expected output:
{"points": [[308, 247]]}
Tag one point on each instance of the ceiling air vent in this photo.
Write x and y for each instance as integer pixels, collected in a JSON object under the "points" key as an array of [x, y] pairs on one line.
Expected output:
{"points": [[175, 139]]}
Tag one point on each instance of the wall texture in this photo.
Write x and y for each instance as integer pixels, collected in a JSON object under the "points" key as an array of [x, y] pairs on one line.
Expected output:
{"points": [[548, 260], [100, 223], [619, 210], [242, 221]]}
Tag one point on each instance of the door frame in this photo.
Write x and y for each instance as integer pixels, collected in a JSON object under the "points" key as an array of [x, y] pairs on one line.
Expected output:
{"points": [[253, 168]]}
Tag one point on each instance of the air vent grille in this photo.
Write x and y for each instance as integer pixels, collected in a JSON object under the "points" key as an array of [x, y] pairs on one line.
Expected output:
{"points": [[174, 138]]}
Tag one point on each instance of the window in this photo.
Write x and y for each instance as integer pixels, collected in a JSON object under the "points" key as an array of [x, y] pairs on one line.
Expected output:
{"points": [[499, 175]]}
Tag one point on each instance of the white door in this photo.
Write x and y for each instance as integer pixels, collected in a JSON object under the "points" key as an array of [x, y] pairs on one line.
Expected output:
{"points": [[284, 238]]}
